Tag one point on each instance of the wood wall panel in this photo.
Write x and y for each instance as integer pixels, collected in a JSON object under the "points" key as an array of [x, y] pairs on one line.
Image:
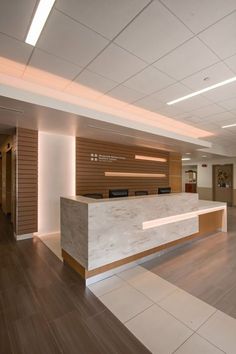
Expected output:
{"points": [[175, 172], [27, 181], [90, 177]]}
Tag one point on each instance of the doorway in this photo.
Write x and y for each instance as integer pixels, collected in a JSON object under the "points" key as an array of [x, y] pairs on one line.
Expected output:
{"points": [[223, 183]]}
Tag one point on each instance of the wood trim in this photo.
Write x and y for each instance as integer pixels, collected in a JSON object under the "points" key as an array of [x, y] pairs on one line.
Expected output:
{"points": [[208, 223]]}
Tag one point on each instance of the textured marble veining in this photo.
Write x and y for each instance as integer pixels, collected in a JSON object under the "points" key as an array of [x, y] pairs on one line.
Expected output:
{"points": [[98, 232]]}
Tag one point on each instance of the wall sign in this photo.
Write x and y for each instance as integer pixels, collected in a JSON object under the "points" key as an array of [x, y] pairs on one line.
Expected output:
{"points": [[105, 158]]}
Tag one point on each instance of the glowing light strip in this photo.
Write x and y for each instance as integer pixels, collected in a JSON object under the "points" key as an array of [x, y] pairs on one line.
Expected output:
{"points": [[196, 93], [185, 159], [229, 126], [150, 158], [133, 174], [39, 20]]}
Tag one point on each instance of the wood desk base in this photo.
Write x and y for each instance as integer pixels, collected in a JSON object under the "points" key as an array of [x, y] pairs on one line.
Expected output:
{"points": [[208, 224]]}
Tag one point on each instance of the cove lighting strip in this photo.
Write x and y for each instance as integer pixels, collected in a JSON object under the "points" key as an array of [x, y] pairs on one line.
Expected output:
{"points": [[43, 10], [133, 174], [150, 158], [196, 93]]}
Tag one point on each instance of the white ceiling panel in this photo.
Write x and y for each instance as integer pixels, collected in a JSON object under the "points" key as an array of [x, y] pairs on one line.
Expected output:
{"points": [[15, 17], [222, 93], [95, 81], [231, 62], [208, 110], [70, 40], [221, 37], [193, 103], [220, 117], [199, 14], [215, 73], [14, 50], [172, 92], [149, 81], [229, 104], [125, 94], [150, 103], [187, 59], [116, 64], [53, 65], [153, 33], [105, 17]]}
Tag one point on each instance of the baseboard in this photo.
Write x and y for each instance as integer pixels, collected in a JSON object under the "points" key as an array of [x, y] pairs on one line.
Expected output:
{"points": [[23, 237], [38, 234]]}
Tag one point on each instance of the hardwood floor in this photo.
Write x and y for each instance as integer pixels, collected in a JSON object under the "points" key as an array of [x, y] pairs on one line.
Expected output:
{"points": [[205, 268], [45, 308]]}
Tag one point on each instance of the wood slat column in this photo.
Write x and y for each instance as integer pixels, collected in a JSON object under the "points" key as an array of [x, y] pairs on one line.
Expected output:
{"points": [[26, 181]]}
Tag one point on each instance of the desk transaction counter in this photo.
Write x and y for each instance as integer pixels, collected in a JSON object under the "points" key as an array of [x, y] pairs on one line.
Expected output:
{"points": [[100, 235]]}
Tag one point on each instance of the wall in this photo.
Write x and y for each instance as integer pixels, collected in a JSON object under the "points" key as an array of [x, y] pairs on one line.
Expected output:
{"points": [[205, 187], [90, 168], [5, 182], [56, 178]]}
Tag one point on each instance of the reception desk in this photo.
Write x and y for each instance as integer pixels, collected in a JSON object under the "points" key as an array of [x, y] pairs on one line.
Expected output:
{"points": [[100, 235]]}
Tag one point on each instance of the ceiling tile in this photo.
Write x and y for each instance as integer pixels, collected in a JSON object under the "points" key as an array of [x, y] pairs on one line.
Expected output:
{"points": [[14, 55], [193, 103], [149, 81], [70, 40], [116, 64], [229, 104], [187, 59], [95, 81], [198, 15], [172, 92], [105, 17], [125, 94], [208, 110], [231, 62], [216, 73], [221, 37], [15, 17], [153, 33], [53, 65], [151, 103], [220, 117], [222, 93]]}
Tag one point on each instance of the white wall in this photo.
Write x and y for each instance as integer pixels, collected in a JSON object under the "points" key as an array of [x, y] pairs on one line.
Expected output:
{"points": [[56, 178], [205, 173]]}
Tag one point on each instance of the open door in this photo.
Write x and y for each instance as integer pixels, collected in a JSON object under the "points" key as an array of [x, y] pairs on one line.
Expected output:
{"points": [[223, 183]]}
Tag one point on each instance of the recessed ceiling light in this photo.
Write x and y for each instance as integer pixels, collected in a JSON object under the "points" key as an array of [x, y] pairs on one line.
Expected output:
{"points": [[204, 156], [186, 158], [196, 93], [229, 126], [39, 20], [188, 153]]}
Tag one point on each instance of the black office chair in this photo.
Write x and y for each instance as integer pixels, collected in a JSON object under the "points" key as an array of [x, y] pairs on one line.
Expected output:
{"points": [[136, 193], [93, 195]]}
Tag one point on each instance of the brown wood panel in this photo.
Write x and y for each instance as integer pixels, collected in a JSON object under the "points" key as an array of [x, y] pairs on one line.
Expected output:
{"points": [[90, 175], [175, 172], [27, 181]]}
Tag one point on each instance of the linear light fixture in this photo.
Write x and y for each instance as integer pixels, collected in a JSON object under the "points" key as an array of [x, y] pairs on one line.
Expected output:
{"points": [[196, 93], [229, 126], [150, 158], [185, 158], [134, 174], [39, 20]]}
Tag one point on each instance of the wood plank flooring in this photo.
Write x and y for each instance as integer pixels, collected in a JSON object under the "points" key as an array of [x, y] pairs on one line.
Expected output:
{"points": [[45, 308], [205, 268]]}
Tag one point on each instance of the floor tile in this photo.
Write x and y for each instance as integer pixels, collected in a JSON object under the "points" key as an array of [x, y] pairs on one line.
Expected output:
{"points": [[130, 274], [104, 286], [220, 330], [197, 345], [160, 332], [187, 308], [125, 302], [151, 285]]}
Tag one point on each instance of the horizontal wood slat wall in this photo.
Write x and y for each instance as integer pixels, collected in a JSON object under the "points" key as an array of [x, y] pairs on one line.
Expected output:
{"points": [[27, 181], [90, 175]]}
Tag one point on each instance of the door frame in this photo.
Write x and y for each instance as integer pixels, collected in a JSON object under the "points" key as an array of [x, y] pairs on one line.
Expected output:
{"points": [[213, 180]]}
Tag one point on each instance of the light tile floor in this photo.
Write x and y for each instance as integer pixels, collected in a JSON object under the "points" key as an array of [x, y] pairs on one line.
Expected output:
{"points": [[163, 317]]}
